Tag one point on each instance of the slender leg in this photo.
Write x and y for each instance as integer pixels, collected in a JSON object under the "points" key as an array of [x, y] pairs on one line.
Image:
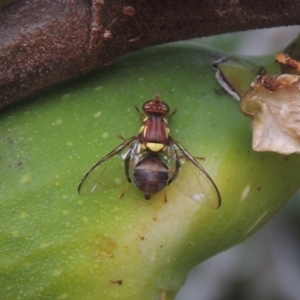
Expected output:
{"points": [[177, 168], [173, 113], [125, 190], [126, 166], [142, 116]]}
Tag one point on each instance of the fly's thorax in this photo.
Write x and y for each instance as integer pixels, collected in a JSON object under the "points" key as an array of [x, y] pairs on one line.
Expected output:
{"points": [[154, 133], [142, 129]]}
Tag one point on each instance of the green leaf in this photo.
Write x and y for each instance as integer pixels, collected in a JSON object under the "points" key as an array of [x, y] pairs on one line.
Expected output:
{"points": [[56, 244]]}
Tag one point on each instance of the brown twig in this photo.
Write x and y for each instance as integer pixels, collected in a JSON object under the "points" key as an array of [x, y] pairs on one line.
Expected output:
{"points": [[46, 42]]}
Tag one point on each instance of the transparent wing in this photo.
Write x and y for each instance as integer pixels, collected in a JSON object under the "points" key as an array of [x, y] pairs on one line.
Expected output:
{"points": [[109, 171], [193, 181]]}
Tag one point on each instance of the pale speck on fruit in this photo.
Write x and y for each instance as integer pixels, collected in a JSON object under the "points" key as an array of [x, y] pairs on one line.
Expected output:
{"points": [[105, 135], [25, 179], [245, 192], [97, 114]]}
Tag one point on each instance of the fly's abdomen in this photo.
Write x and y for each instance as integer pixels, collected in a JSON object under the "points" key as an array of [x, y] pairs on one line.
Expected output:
{"points": [[151, 175]]}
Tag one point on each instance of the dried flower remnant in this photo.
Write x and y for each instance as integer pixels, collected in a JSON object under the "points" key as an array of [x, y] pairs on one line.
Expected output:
{"points": [[287, 64], [273, 103]]}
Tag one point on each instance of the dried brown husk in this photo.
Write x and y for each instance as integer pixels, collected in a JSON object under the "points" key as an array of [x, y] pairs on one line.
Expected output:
{"points": [[273, 104]]}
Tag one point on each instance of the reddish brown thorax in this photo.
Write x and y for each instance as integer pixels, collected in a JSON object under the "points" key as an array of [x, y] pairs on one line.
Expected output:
{"points": [[154, 134]]}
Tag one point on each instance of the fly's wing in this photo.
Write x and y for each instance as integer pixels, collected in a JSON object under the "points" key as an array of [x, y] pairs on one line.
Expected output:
{"points": [[109, 171], [193, 181]]}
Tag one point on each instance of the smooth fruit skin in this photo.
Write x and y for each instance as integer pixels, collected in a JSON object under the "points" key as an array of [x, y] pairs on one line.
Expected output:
{"points": [[56, 244]]}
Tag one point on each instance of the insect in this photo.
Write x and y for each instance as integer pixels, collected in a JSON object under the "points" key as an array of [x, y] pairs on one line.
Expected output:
{"points": [[153, 160]]}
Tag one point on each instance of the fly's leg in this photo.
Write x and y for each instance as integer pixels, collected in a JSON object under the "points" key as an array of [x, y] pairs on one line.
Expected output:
{"points": [[142, 116], [125, 190], [177, 168], [126, 166], [166, 200], [121, 137], [173, 113], [199, 158]]}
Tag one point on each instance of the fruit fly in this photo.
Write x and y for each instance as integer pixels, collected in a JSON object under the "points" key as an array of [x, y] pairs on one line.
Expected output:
{"points": [[153, 160]]}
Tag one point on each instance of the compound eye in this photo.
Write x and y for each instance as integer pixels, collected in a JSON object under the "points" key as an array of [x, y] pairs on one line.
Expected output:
{"points": [[147, 106], [156, 106], [165, 107]]}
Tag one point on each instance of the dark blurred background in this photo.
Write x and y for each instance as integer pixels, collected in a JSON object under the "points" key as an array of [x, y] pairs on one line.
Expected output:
{"points": [[267, 265]]}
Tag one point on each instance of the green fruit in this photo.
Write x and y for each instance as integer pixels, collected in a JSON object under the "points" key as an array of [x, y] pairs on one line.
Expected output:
{"points": [[56, 244]]}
